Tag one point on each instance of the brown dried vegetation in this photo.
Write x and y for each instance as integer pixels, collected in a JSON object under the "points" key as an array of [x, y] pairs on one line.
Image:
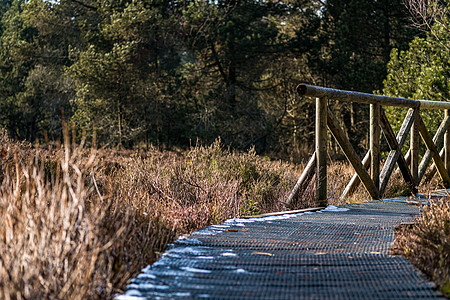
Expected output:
{"points": [[59, 238], [426, 243], [78, 224]]}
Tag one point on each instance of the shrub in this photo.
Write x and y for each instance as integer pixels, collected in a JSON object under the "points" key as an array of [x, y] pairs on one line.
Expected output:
{"points": [[427, 243]]}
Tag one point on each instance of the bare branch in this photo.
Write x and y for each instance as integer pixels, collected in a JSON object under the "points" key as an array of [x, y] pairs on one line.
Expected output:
{"points": [[424, 13]]}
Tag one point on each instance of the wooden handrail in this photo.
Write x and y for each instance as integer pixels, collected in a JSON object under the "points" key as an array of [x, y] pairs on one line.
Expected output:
{"points": [[348, 96], [375, 182]]}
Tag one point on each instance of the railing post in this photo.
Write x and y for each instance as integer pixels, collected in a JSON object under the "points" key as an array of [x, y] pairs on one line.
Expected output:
{"points": [[447, 144], [415, 124], [375, 144], [415, 151], [321, 150]]}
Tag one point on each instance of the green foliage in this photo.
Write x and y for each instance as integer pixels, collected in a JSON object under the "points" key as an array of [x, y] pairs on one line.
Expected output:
{"points": [[362, 34], [33, 89], [235, 77], [4, 7], [421, 72], [168, 72], [115, 83], [350, 44]]}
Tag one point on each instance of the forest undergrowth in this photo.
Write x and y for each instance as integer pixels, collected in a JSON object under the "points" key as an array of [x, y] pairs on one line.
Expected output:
{"points": [[79, 223]]}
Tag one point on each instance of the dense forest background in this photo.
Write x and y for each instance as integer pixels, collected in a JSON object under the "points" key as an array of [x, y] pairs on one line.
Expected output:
{"points": [[174, 73]]}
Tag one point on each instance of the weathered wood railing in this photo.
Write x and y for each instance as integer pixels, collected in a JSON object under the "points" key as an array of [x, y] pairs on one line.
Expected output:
{"points": [[375, 182]]}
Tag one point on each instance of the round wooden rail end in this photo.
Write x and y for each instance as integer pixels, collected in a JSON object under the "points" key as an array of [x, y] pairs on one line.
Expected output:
{"points": [[301, 89]]}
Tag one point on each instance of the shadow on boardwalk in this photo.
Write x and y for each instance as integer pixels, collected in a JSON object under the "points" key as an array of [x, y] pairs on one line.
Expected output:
{"points": [[334, 253]]}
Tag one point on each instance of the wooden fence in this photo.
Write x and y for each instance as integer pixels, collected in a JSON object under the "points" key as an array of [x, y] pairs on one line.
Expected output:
{"points": [[374, 180]]}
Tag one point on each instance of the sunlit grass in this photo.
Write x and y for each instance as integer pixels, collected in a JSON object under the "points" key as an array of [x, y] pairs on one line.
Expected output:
{"points": [[426, 243], [79, 223]]}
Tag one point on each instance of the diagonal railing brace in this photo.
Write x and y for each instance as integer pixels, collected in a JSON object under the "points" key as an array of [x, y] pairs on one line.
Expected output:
{"points": [[396, 151], [351, 155]]}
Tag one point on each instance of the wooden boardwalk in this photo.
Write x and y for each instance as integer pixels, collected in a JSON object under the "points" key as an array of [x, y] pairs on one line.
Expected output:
{"points": [[335, 253]]}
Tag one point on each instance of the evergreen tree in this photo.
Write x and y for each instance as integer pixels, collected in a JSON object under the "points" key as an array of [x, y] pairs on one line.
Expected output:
{"points": [[421, 72], [125, 76], [167, 72], [234, 49], [33, 53], [352, 45]]}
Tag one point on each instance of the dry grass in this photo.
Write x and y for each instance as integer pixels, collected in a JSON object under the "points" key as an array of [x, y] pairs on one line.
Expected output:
{"points": [[200, 186], [78, 224], [59, 239], [427, 242], [338, 176]]}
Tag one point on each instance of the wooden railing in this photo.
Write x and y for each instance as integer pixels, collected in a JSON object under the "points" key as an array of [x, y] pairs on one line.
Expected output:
{"points": [[376, 181]]}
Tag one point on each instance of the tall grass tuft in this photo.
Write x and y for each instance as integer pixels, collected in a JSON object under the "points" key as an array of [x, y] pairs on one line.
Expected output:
{"points": [[426, 243], [59, 239], [79, 223]]}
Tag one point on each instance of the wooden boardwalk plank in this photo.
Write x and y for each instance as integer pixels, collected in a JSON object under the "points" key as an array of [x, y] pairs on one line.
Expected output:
{"points": [[338, 253]]}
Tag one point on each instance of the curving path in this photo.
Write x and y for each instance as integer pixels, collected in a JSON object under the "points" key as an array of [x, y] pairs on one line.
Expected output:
{"points": [[335, 253]]}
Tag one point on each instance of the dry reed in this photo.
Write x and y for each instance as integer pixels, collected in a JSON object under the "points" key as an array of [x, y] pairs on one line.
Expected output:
{"points": [[78, 224], [426, 243], [59, 238]]}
